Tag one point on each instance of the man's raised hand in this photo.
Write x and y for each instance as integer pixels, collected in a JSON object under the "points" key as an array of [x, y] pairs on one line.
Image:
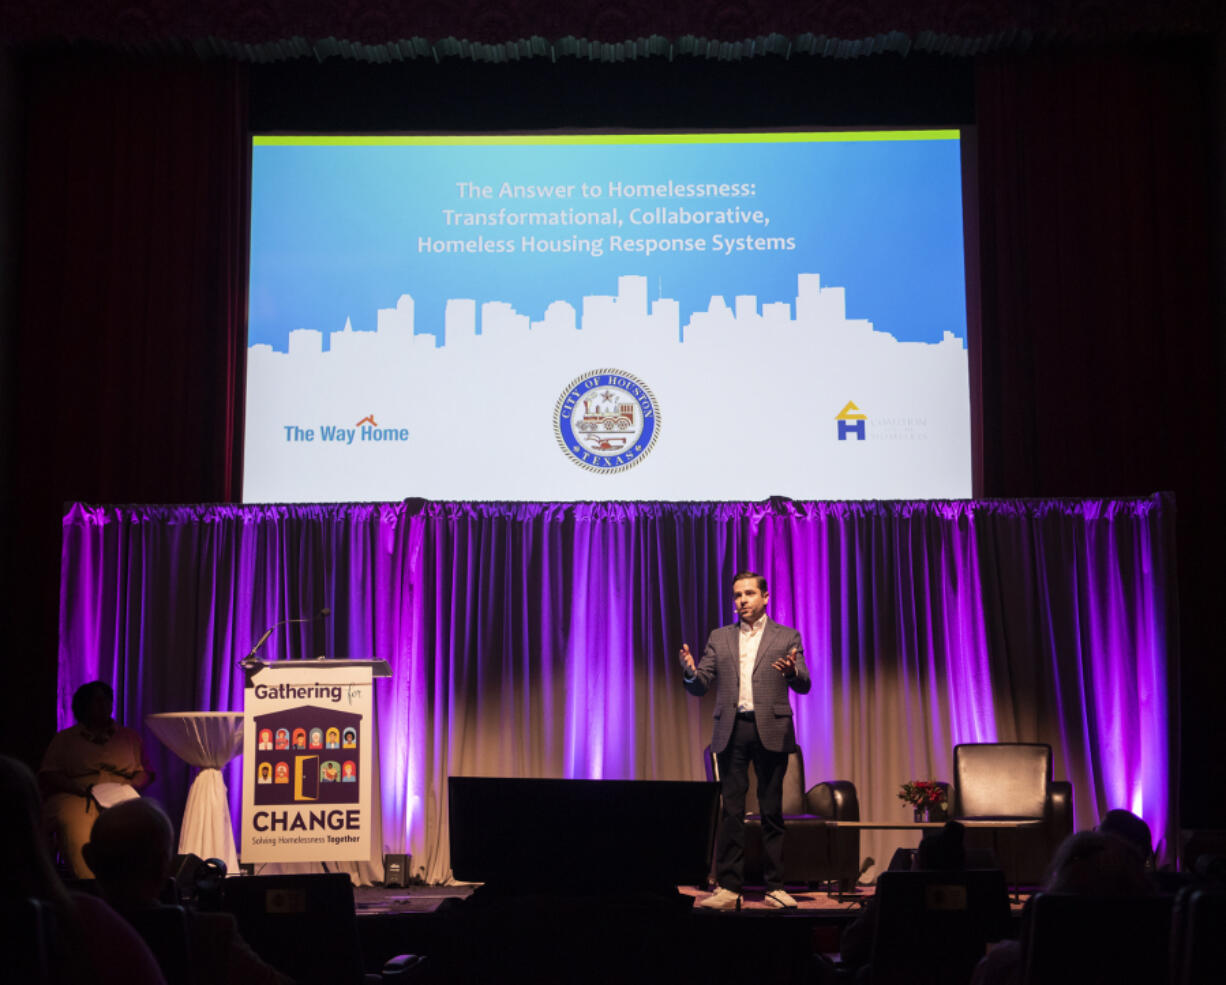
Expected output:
{"points": [[786, 665]]}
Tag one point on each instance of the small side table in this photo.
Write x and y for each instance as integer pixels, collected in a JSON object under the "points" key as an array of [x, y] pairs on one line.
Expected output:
{"points": [[1012, 824], [208, 740]]}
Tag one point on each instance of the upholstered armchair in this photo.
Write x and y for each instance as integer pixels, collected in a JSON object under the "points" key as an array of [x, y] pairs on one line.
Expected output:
{"points": [[1012, 781], [813, 852]]}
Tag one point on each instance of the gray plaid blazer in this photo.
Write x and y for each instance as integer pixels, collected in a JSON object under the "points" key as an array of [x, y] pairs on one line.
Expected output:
{"points": [[721, 663]]}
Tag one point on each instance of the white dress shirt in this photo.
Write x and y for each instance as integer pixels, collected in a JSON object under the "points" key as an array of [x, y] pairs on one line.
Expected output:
{"points": [[750, 640]]}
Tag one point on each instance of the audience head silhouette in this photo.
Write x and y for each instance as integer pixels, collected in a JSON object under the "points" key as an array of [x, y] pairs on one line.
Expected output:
{"points": [[131, 849], [1211, 868], [27, 869], [1097, 863], [943, 850], [1132, 829], [87, 941]]}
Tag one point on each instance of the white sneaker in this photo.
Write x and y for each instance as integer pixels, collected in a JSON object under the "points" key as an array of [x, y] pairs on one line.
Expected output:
{"points": [[722, 899], [780, 898]]}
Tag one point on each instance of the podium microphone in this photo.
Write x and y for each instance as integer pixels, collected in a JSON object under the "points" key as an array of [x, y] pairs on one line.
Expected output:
{"points": [[250, 662], [867, 864]]}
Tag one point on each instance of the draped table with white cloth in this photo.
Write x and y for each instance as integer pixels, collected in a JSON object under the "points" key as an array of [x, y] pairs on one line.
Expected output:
{"points": [[208, 740]]}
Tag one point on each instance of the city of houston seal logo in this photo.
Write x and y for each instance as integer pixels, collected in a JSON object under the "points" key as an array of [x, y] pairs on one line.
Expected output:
{"points": [[606, 420]]}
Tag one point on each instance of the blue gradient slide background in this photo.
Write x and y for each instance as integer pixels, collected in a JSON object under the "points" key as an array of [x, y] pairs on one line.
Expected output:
{"points": [[335, 228]]}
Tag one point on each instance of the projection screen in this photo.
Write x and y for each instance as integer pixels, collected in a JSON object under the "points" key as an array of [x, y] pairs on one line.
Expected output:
{"points": [[631, 316]]}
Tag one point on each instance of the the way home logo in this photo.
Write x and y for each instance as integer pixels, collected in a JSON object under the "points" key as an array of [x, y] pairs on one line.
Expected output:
{"points": [[365, 431], [852, 421]]}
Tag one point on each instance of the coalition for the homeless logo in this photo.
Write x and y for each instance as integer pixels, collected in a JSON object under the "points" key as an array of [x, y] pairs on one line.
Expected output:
{"points": [[606, 420], [852, 422]]}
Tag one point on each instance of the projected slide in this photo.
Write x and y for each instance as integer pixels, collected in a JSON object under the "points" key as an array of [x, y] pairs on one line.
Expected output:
{"points": [[605, 317]]}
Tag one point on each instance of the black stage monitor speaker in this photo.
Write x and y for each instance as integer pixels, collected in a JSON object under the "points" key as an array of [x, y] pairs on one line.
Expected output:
{"points": [[396, 870], [593, 836]]}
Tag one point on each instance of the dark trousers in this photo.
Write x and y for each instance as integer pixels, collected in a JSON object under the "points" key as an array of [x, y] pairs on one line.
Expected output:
{"points": [[744, 748]]}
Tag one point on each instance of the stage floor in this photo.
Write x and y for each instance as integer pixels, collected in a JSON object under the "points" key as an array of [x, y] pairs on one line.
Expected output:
{"points": [[414, 920], [426, 899]]}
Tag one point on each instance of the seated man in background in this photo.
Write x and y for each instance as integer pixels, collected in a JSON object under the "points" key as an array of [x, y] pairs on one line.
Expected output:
{"points": [[93, 755], [130, 851]]}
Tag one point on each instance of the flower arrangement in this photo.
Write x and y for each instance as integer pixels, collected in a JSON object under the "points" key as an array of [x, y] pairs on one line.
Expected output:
{"points": [[924, 795]]}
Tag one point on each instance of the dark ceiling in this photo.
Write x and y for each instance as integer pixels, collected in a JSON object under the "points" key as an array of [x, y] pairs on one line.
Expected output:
{"points": [[597, 30]]}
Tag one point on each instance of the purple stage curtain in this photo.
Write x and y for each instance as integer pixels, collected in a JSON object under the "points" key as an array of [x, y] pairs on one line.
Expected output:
{"points": [[541, 639]]}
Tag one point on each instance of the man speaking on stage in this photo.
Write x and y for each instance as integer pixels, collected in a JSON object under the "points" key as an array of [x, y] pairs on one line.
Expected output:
{"points": [[753, 664]]}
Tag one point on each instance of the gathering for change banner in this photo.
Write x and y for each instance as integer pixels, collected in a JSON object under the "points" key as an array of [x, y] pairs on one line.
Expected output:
{"points": [[307, 763]]}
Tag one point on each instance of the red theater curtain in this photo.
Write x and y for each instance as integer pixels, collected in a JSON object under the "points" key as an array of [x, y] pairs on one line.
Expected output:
{"points": [[1094, 179], [134, 294], [129, 355], [1101, 358]]}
